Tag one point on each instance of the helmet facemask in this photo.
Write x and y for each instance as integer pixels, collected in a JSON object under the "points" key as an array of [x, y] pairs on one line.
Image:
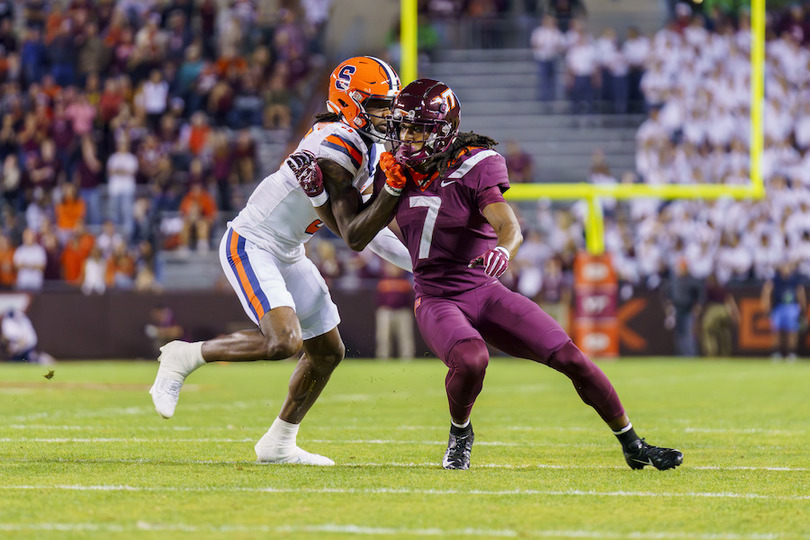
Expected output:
{"points": [[430, 111], [438, 134]]}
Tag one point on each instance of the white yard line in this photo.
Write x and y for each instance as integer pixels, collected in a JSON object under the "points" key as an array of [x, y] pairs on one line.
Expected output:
{"points": [[360, 464], [383, 531], [565, 429], [163, 440], [409, 491]]}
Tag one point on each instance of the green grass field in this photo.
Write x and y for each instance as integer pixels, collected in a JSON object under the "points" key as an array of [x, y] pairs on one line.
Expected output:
{"points": [[84, 455]]}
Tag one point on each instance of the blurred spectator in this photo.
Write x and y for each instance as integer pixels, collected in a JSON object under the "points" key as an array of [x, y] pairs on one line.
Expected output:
{"points": [[111, 101], [394, 315], [682, 300], [39, 210], [93, 273], [52, 272], [33, 56], [178, 36], [63, 137], [195, 135], [636, 50], [62, 55], [244, 157], [109, 239], [122, 168], [44, 169], [547, 44], [144, 222], [82, 114], [29, 262], [556, 292], [720, 315], [247, 105], [198, 210], [146, 272], [316, 13], [519, 163], [13, 179], [581, 72], [19, 339], [189, 71], [72, 260], [88, 178], [155, 95], [277, 97], [69, 212], [222, 170], [784, 298], [8, 40], [162, 327], [92, 56], [566, 10], [8, 274], [120, 270], [325, 258]]}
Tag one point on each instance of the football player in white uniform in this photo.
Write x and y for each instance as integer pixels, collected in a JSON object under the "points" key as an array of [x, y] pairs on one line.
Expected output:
{"points": [[262, 254]]}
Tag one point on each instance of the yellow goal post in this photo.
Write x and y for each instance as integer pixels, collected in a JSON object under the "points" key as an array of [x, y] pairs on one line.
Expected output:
{"points": [[593, 194]]}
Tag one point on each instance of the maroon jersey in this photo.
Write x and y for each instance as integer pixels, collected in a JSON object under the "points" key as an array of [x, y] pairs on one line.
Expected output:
{"points": [[443, 226]]}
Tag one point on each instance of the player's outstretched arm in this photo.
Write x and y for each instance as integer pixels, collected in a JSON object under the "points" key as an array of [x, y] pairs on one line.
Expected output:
{"points": [[325, 181], [310, 173]]}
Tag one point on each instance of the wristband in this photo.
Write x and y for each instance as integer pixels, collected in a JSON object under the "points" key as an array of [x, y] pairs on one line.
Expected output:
{"points": [[502, 250], [396, 192], [319, 199]]}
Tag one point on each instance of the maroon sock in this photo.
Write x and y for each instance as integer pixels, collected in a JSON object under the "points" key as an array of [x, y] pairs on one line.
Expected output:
{"points": [[591, 383]]}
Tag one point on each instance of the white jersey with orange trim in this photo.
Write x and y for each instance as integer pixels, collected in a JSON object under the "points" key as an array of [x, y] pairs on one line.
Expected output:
{"points": [[278, 216]]}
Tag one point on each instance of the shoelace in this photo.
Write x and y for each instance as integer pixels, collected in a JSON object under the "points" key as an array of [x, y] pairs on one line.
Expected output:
{"points": [[459, 450], [171, 387]]}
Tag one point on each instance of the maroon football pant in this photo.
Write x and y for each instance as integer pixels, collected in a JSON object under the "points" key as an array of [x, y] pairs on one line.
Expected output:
{"points": [[457, 328]]}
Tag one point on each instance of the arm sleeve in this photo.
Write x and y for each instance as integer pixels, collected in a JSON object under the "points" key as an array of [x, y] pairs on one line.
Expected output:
{"points": [[388, 246], [493, 181], [489, 196]]}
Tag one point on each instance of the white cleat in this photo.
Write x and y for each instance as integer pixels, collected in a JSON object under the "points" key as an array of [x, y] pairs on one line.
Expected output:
{"points": [[165, 394], [267, 452], [170, 376]]}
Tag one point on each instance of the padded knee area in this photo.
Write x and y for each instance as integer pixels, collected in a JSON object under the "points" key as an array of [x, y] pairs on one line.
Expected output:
{"points": [[469, 359], [467, 362]]}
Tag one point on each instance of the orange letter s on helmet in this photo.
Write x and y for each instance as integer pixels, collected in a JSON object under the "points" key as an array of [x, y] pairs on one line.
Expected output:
{"points": [[353, 83]]}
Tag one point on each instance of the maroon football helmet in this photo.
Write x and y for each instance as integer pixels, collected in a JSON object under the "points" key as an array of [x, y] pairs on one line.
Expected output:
{"points": [[426, 105]]}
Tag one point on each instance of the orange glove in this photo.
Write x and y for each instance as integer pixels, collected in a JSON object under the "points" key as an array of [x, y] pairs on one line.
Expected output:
{"points": [[395, 176]]}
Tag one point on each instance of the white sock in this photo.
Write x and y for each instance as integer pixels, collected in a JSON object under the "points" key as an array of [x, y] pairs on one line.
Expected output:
{"points": [[625, 429], [190, 359], [284, 433], [461, 426], [195, 358]]}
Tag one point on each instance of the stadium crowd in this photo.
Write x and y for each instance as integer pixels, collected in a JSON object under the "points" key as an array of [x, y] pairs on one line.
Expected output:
{"points": [[128, 127], [697, 91]]}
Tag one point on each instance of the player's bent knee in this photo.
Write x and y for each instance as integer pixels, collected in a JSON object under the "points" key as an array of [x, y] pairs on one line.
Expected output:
{"points": [[284, 343], [469, 358]]}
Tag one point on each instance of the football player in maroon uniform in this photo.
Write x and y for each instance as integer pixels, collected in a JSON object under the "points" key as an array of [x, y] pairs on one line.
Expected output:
{"points": [[445, 190]]}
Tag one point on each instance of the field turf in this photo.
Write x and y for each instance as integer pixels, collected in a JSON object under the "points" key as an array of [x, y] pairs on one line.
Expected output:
{"points": [[83, 454]]}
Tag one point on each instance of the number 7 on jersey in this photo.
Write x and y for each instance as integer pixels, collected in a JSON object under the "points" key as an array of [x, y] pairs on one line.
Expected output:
{"points": [[432, 204]]}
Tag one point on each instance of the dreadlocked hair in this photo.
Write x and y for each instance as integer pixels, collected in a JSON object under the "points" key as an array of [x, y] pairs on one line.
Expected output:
{"points": [[440, 162], [326, 117]]}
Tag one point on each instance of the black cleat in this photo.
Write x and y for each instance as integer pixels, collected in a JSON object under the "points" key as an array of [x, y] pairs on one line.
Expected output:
{"points": [[459, 448], [639, 454]]}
